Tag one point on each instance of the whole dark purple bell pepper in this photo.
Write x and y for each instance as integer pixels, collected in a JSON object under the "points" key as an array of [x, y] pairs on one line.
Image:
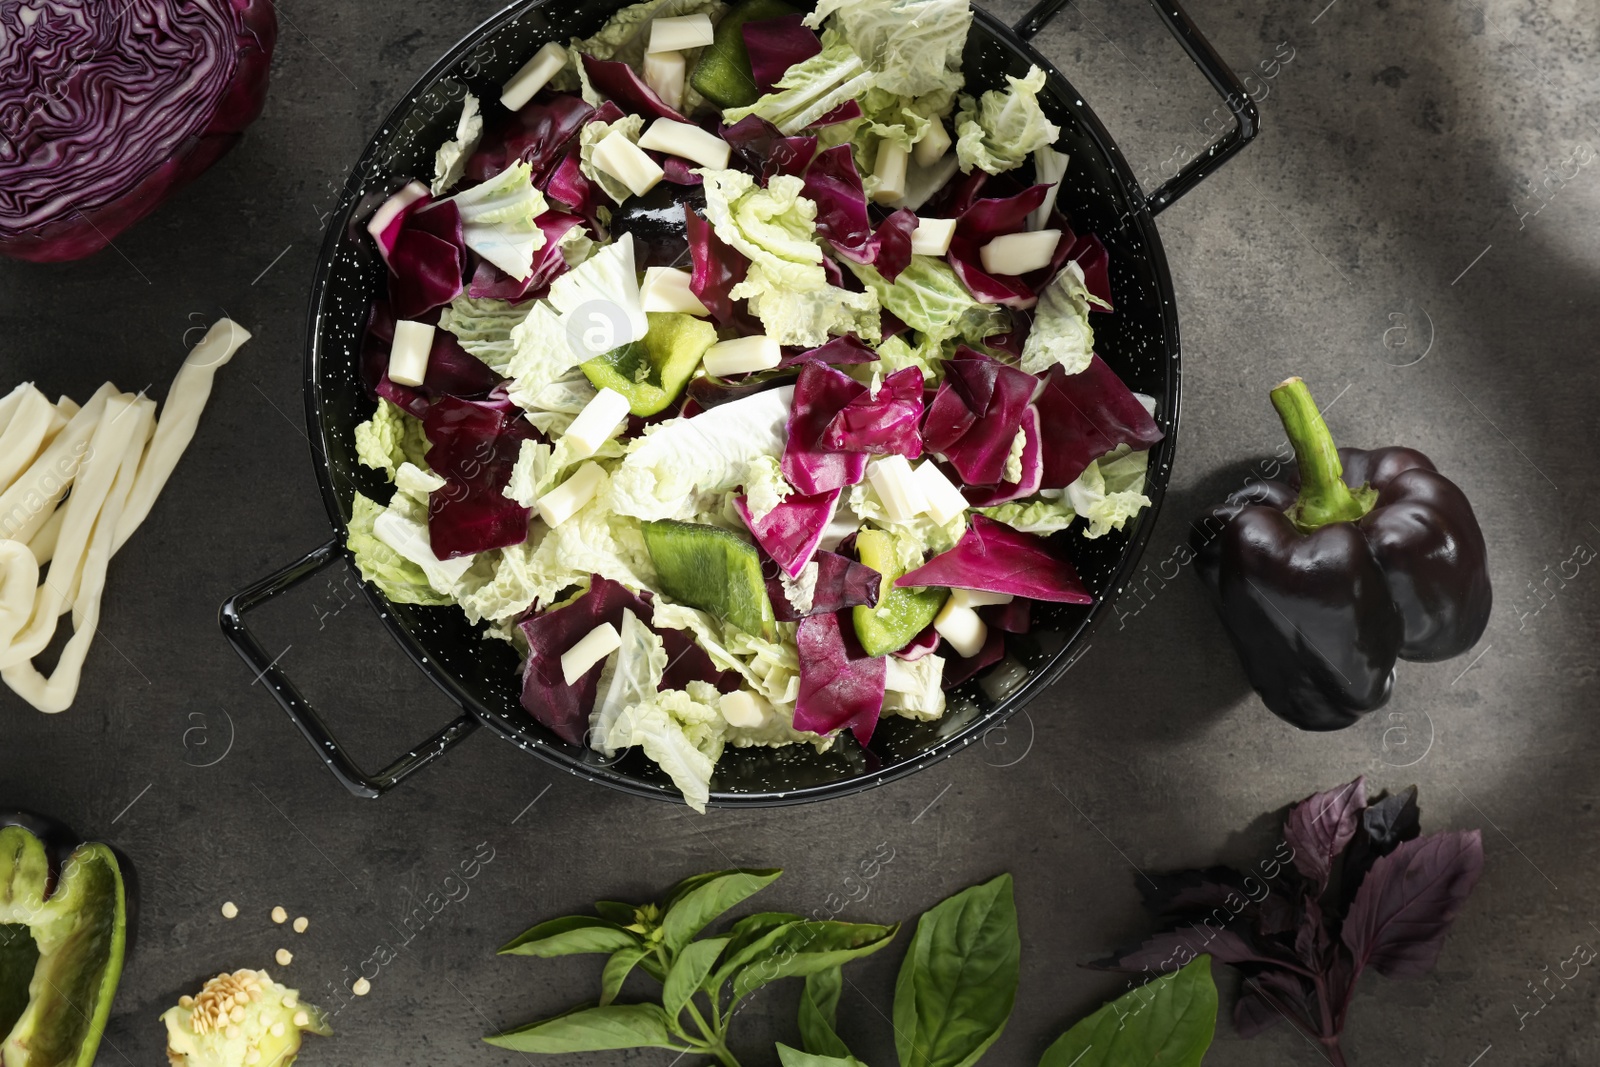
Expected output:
{"points": [[1323, 587]]}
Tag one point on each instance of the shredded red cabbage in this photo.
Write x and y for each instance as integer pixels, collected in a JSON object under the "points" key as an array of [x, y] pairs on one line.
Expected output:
{"points": [[975, 415], [808, 465], [538, 135], [760, 149], [618, 81], [884, 424], [775, 45], [789, 533], [841, 583]]}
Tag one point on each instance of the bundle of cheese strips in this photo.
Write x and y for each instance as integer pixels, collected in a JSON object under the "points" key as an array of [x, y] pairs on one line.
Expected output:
{"points": [[75, 482]]}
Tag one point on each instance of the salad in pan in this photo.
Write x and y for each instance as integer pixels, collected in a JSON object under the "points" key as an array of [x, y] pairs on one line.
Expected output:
{"points": [[737, 366]]}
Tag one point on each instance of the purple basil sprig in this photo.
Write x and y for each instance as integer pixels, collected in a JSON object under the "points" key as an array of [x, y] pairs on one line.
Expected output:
{"points": [[1352, 886]]}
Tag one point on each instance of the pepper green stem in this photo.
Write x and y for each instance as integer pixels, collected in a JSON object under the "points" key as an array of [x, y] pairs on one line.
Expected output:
{"points": [[1324, 496]]}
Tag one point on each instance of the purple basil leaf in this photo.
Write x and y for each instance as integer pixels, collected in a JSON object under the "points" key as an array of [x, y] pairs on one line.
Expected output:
{"points": [[775, 45], [1403, 910], [618, 81], [1083, 416], [1265, 997], [820, 393], [1387, 822], [545, 694], [993, 557], [840, 685], [885, 424], [1320, 827]]}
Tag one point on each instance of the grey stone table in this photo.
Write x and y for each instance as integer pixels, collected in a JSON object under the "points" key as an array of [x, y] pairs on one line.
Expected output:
{"points": [[1414, 232]]}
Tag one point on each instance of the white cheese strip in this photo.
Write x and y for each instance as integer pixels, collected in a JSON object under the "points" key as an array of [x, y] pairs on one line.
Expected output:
{"points": [[978, 598], [545, 64], [9, 402], [665, 74], [1146, 401], [597, 423], [667, 289], [742, 708], [408, 356], [25, 435], [687, 140], [1049, 167], [962, 627], [890, 170], [180, 415], [391, 207], [944, 500], [684, 31], [932, 236], [934, 144], [742, 355], [568, 498], [591, 648], [626, 162], [897, 487], [1018, 253]]}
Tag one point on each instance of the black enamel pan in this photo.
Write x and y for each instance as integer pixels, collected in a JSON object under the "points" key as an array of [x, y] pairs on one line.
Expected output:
{"points": [[1140, 341]]}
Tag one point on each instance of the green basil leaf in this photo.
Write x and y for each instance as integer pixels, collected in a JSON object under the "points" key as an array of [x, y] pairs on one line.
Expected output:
{"points": [[1168, 1023], [696, 907], [570, 936], [615, 1026], [741, 936], [803, 948], [615, 911], [959, 979], [651, 965], [819, 1008], [617, 969], [793, 1057], [688, 971]]}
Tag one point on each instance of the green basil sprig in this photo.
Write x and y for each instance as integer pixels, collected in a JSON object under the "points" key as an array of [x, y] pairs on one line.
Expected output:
{"points": [[702, 978]]}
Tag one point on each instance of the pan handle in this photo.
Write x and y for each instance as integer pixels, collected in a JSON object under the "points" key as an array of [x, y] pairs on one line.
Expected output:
{"points": [[304, 716], [1246, 119]]}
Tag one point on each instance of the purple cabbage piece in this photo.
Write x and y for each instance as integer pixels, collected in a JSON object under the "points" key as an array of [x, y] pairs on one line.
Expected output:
{"points": [[619, 81], [885, 424], [538, 135], [958, 669], [840, 685], [981, 223], [789, 533], [1085, 415], [775, 45], [474, 446], [837, 352], [819, 395], [924, 644], [1013, 618], [994, 558], [1032, 470], [761, 149], [107, 109], [716, 267], [545, 694], [427, 261], [841, 583], [975, 416]]}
